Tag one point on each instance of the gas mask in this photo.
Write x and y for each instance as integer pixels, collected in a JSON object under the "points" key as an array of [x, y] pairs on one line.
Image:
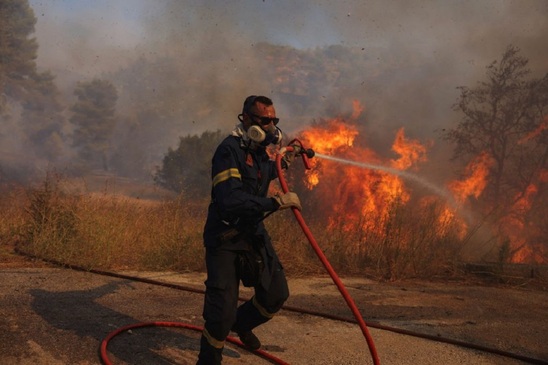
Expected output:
{"points": [[263, 138], [256, 133]]}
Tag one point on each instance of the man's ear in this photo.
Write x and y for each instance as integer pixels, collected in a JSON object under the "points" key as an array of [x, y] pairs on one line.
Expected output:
{"points": [[246, 121]]}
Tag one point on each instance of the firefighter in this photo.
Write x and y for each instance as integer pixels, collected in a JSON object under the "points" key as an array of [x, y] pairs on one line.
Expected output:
{"points": [[237, 245]]}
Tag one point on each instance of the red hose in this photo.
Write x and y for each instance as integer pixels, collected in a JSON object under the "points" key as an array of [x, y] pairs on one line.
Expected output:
{"points": [[325, 262], [263, 354], [110, 336]]}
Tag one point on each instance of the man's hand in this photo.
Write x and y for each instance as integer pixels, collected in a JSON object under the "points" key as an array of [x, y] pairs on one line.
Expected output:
{"points": [[289, 156], [287, 200]]}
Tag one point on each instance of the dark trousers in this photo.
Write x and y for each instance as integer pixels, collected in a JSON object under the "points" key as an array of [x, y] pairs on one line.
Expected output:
{"points": [[221, 312]]}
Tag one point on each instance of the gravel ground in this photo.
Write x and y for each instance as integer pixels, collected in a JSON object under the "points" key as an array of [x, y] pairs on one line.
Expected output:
{"points": [[59, 316]]}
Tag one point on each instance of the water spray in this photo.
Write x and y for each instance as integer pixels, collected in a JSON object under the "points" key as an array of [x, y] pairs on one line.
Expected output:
{"points": [[404, 174]]}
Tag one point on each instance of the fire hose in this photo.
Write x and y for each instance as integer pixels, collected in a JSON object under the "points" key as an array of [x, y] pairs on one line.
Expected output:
{"points": [[110, 336], [103, 347], [297, 148]]}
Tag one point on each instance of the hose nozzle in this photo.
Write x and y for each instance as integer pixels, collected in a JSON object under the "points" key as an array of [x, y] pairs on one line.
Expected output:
{"points": [[309, 152]]}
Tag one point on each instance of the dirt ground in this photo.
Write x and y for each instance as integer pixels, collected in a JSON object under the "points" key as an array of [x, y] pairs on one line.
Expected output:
{"points": [[52, 315]]}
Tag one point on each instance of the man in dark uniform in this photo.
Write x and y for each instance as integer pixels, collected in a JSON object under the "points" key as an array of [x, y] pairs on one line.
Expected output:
{"points": [[237, 244]]}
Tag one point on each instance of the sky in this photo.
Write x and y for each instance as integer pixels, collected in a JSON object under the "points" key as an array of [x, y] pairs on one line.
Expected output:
{"points": [[470, 29]]}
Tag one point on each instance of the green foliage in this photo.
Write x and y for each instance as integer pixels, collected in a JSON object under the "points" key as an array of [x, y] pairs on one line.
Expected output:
{"points": [[94, 120], [188, 167], [41, 123], [42, 118], [131, 155], [17, 50]]}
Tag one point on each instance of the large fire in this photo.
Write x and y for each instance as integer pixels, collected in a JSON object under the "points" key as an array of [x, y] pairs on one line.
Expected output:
{"points": [[363, 198], [515, 227], [354, 193]]}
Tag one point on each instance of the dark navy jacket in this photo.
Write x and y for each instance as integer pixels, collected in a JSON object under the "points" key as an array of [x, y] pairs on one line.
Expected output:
{"points": [[241, 177]]}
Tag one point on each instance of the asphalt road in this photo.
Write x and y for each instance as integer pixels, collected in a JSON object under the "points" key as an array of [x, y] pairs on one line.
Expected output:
{"points": [[60, 316]]}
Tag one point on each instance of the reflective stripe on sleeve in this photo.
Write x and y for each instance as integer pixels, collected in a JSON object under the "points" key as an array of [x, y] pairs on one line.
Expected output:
{"points": [[225, 175]]}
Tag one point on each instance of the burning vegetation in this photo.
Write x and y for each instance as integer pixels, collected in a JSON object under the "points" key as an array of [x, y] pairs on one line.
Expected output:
{"points": [[377, 199], [386, 212]]}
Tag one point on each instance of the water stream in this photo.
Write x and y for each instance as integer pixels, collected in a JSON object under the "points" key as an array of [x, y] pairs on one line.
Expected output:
{"points": [[404, 174]]}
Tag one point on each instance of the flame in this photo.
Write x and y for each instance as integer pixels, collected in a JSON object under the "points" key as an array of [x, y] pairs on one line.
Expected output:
{"points": [[357, 109], [536, 132], [329, 139], [333, 137], [353, 197], [472, 185], [543, 178], [353, 193], [410, 152], [517, 231], [477, 172], [449, 219]]}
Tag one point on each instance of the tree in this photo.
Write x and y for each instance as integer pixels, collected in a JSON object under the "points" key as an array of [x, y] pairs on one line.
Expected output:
{"points": [[506, 117], [18, 51], [188, 167], [94, 120], [42, 119]]}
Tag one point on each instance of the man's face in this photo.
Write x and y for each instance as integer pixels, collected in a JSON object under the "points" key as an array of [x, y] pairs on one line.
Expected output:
{"points": [[260, 115]]}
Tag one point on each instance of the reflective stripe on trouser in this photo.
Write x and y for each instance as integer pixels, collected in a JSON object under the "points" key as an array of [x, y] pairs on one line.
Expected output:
{"points": [[209, 354], [218, 344], [264, 305], [221, 300]]}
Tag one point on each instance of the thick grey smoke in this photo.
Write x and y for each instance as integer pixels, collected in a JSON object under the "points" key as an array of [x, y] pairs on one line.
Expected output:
{"points": [[195, 62]]}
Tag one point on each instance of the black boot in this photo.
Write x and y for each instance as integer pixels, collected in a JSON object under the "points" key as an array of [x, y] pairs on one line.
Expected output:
{"points": [[209, 355], [250, 340]]}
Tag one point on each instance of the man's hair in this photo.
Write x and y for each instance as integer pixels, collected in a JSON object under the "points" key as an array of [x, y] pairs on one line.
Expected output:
{"points": [[251, 100]]}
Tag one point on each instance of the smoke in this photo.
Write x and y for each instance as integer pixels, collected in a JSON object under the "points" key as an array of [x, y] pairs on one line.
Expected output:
{"points": [[185, 67]]}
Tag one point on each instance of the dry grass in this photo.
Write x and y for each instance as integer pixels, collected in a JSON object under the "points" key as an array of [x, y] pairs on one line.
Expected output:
{"points": [[111, 231], [103, 230]]}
